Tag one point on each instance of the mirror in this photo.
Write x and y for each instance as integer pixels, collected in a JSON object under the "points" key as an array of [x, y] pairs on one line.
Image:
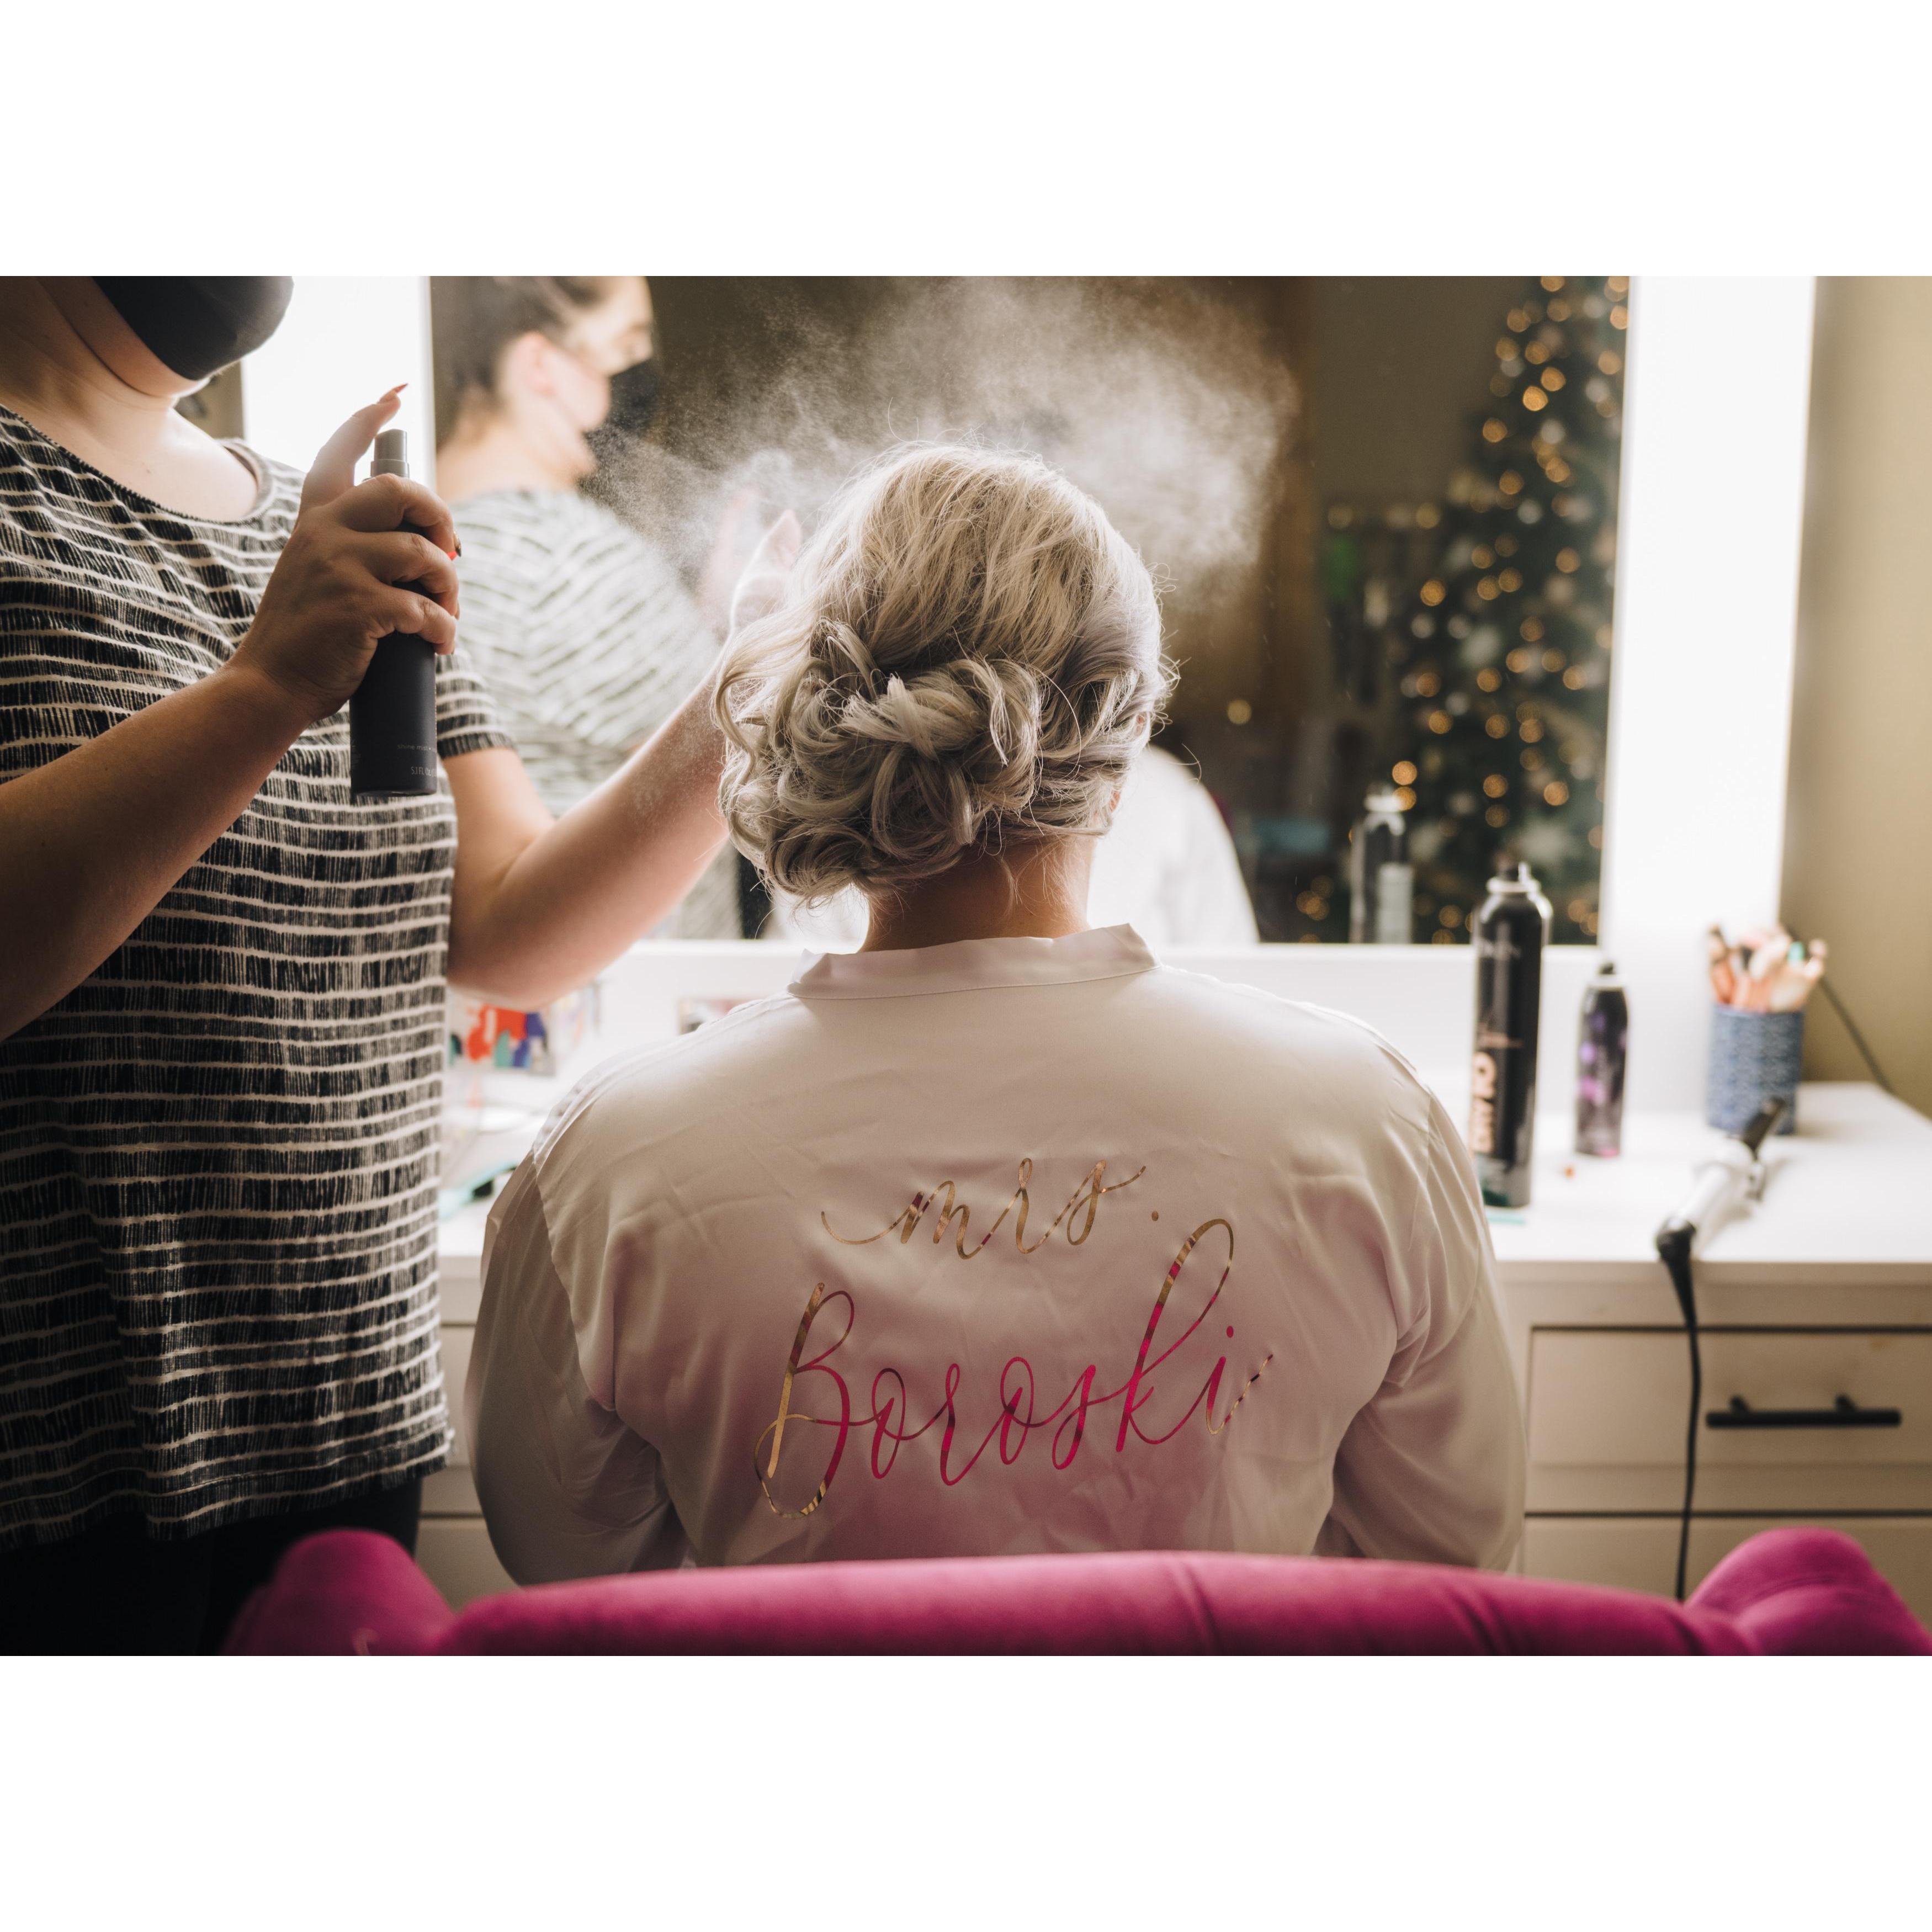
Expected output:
{"points": [[1382, 512]]}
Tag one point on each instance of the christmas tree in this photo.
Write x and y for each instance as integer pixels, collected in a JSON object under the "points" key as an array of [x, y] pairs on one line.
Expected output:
{"points": [[1502, 637]]}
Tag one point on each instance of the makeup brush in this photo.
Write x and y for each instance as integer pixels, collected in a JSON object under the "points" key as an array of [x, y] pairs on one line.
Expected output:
{"points": [[1764, 962], [1792, 985], [1723, 981]]}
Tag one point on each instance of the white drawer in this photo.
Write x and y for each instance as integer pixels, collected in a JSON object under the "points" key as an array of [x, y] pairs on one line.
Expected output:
{"points": [[450, 1492], [455, 1553], [457, 1341], [1640, 1553], [1607, 1409]]}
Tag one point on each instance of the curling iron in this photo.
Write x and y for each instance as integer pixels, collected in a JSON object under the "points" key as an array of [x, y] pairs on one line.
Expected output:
{"points": [[1736, 1172]]}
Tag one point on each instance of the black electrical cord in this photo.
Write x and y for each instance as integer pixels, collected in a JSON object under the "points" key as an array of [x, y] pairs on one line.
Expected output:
{"points": [[1825, 987], [1673, 1250], [1716, 1183]]}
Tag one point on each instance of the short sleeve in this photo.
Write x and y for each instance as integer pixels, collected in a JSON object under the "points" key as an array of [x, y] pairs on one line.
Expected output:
{"points": [[466, 713]]}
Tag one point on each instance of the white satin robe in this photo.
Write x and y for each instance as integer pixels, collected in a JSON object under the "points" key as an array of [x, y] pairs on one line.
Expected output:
{"points": [[1013, 1245]]}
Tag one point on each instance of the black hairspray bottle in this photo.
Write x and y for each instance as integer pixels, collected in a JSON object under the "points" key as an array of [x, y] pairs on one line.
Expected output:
{"points": [[1511, 929], [1602, 1044], [392, 714]]}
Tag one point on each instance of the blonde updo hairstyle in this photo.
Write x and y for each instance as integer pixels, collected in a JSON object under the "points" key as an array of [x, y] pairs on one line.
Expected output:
{"points": [[966, 659]]}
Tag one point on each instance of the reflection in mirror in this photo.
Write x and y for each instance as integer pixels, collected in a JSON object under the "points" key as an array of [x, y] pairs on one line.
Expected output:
{"points": [[1468, 486], [1381, 512]]}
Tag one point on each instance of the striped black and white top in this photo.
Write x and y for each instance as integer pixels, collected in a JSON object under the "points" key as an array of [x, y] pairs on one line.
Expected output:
{"points": [[217, 1153], [590, 641]]}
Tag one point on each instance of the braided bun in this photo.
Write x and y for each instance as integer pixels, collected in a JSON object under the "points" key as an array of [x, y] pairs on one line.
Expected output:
{"points": [[967, 655]]}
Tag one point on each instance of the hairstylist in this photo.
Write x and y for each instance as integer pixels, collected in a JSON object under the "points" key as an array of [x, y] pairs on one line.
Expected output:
{"points": [[221, 990], [580, 623]]}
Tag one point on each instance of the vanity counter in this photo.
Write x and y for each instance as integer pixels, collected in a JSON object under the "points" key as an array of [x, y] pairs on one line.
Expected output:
{"points": [[1821, 1290]]}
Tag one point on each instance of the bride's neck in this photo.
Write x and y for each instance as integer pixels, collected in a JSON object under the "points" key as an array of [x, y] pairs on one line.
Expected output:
{"points": [[1038, 892]]}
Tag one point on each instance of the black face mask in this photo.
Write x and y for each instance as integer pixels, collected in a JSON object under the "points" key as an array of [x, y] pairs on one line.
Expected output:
{"points": [[197, 324], [634, 394]]}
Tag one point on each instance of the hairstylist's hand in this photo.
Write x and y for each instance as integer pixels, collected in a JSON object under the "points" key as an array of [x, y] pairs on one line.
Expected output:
{"points": [[727, 559], [761, 585], [350, 574]]}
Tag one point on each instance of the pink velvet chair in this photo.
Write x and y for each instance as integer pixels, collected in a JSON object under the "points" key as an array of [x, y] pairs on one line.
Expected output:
{"points": [[1787, 1592]]}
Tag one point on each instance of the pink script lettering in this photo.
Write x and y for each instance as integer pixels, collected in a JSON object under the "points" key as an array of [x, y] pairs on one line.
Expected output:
{"points": [[888, 1416]]}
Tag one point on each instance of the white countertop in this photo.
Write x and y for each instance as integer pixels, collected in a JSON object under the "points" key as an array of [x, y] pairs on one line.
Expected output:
{"points": [[1851, 1190], [1848, 1203]]}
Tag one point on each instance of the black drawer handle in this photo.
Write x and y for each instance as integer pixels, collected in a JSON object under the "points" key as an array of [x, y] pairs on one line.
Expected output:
{"points": [[1843, 1413]]}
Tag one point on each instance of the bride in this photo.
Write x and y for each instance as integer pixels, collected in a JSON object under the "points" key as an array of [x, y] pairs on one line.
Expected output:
{"points": [[995, 1234]]}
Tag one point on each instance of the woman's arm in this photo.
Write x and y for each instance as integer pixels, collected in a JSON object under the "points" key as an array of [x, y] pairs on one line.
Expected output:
{"points": [[90, 844], [542, 904]]}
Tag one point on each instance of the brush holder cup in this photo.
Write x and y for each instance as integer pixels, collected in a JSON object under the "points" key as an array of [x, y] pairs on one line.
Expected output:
{"points": [[1754, 1057]]}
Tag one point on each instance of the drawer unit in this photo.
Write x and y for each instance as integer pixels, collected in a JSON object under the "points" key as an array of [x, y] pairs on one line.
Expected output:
{"points": [[1640, 1553], [453, 1543], [455, 1554], [1808, 1420], [450, 1491], [457, 1342]]}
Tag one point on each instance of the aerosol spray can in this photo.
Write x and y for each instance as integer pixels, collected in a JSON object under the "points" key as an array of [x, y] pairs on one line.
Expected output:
{"points": [[1511, 930], [1602, 1041], [392, 714], [1381, 884]]}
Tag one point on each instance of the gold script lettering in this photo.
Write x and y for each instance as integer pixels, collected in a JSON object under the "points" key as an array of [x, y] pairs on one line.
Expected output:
{"points": [[945, 1198]]}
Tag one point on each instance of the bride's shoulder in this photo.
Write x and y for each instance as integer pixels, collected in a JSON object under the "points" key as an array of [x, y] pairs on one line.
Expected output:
{"points": [[1224, 1027]]}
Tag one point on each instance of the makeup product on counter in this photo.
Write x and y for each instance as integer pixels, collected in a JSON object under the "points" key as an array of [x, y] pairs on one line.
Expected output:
{"points": [[1511, 929], [1603, 1042], [1381, 883], [1764, 971], [1761, 981], [1756, 1055], [392, 714], [1724, 980]]}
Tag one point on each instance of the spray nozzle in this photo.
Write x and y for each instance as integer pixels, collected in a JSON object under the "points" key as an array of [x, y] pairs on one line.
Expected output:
{"points": [[392, 453]]}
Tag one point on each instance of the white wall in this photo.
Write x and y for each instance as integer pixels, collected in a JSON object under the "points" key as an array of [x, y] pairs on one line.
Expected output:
{"points": [[344, 340], [1716, 402], [1858, 841]]}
